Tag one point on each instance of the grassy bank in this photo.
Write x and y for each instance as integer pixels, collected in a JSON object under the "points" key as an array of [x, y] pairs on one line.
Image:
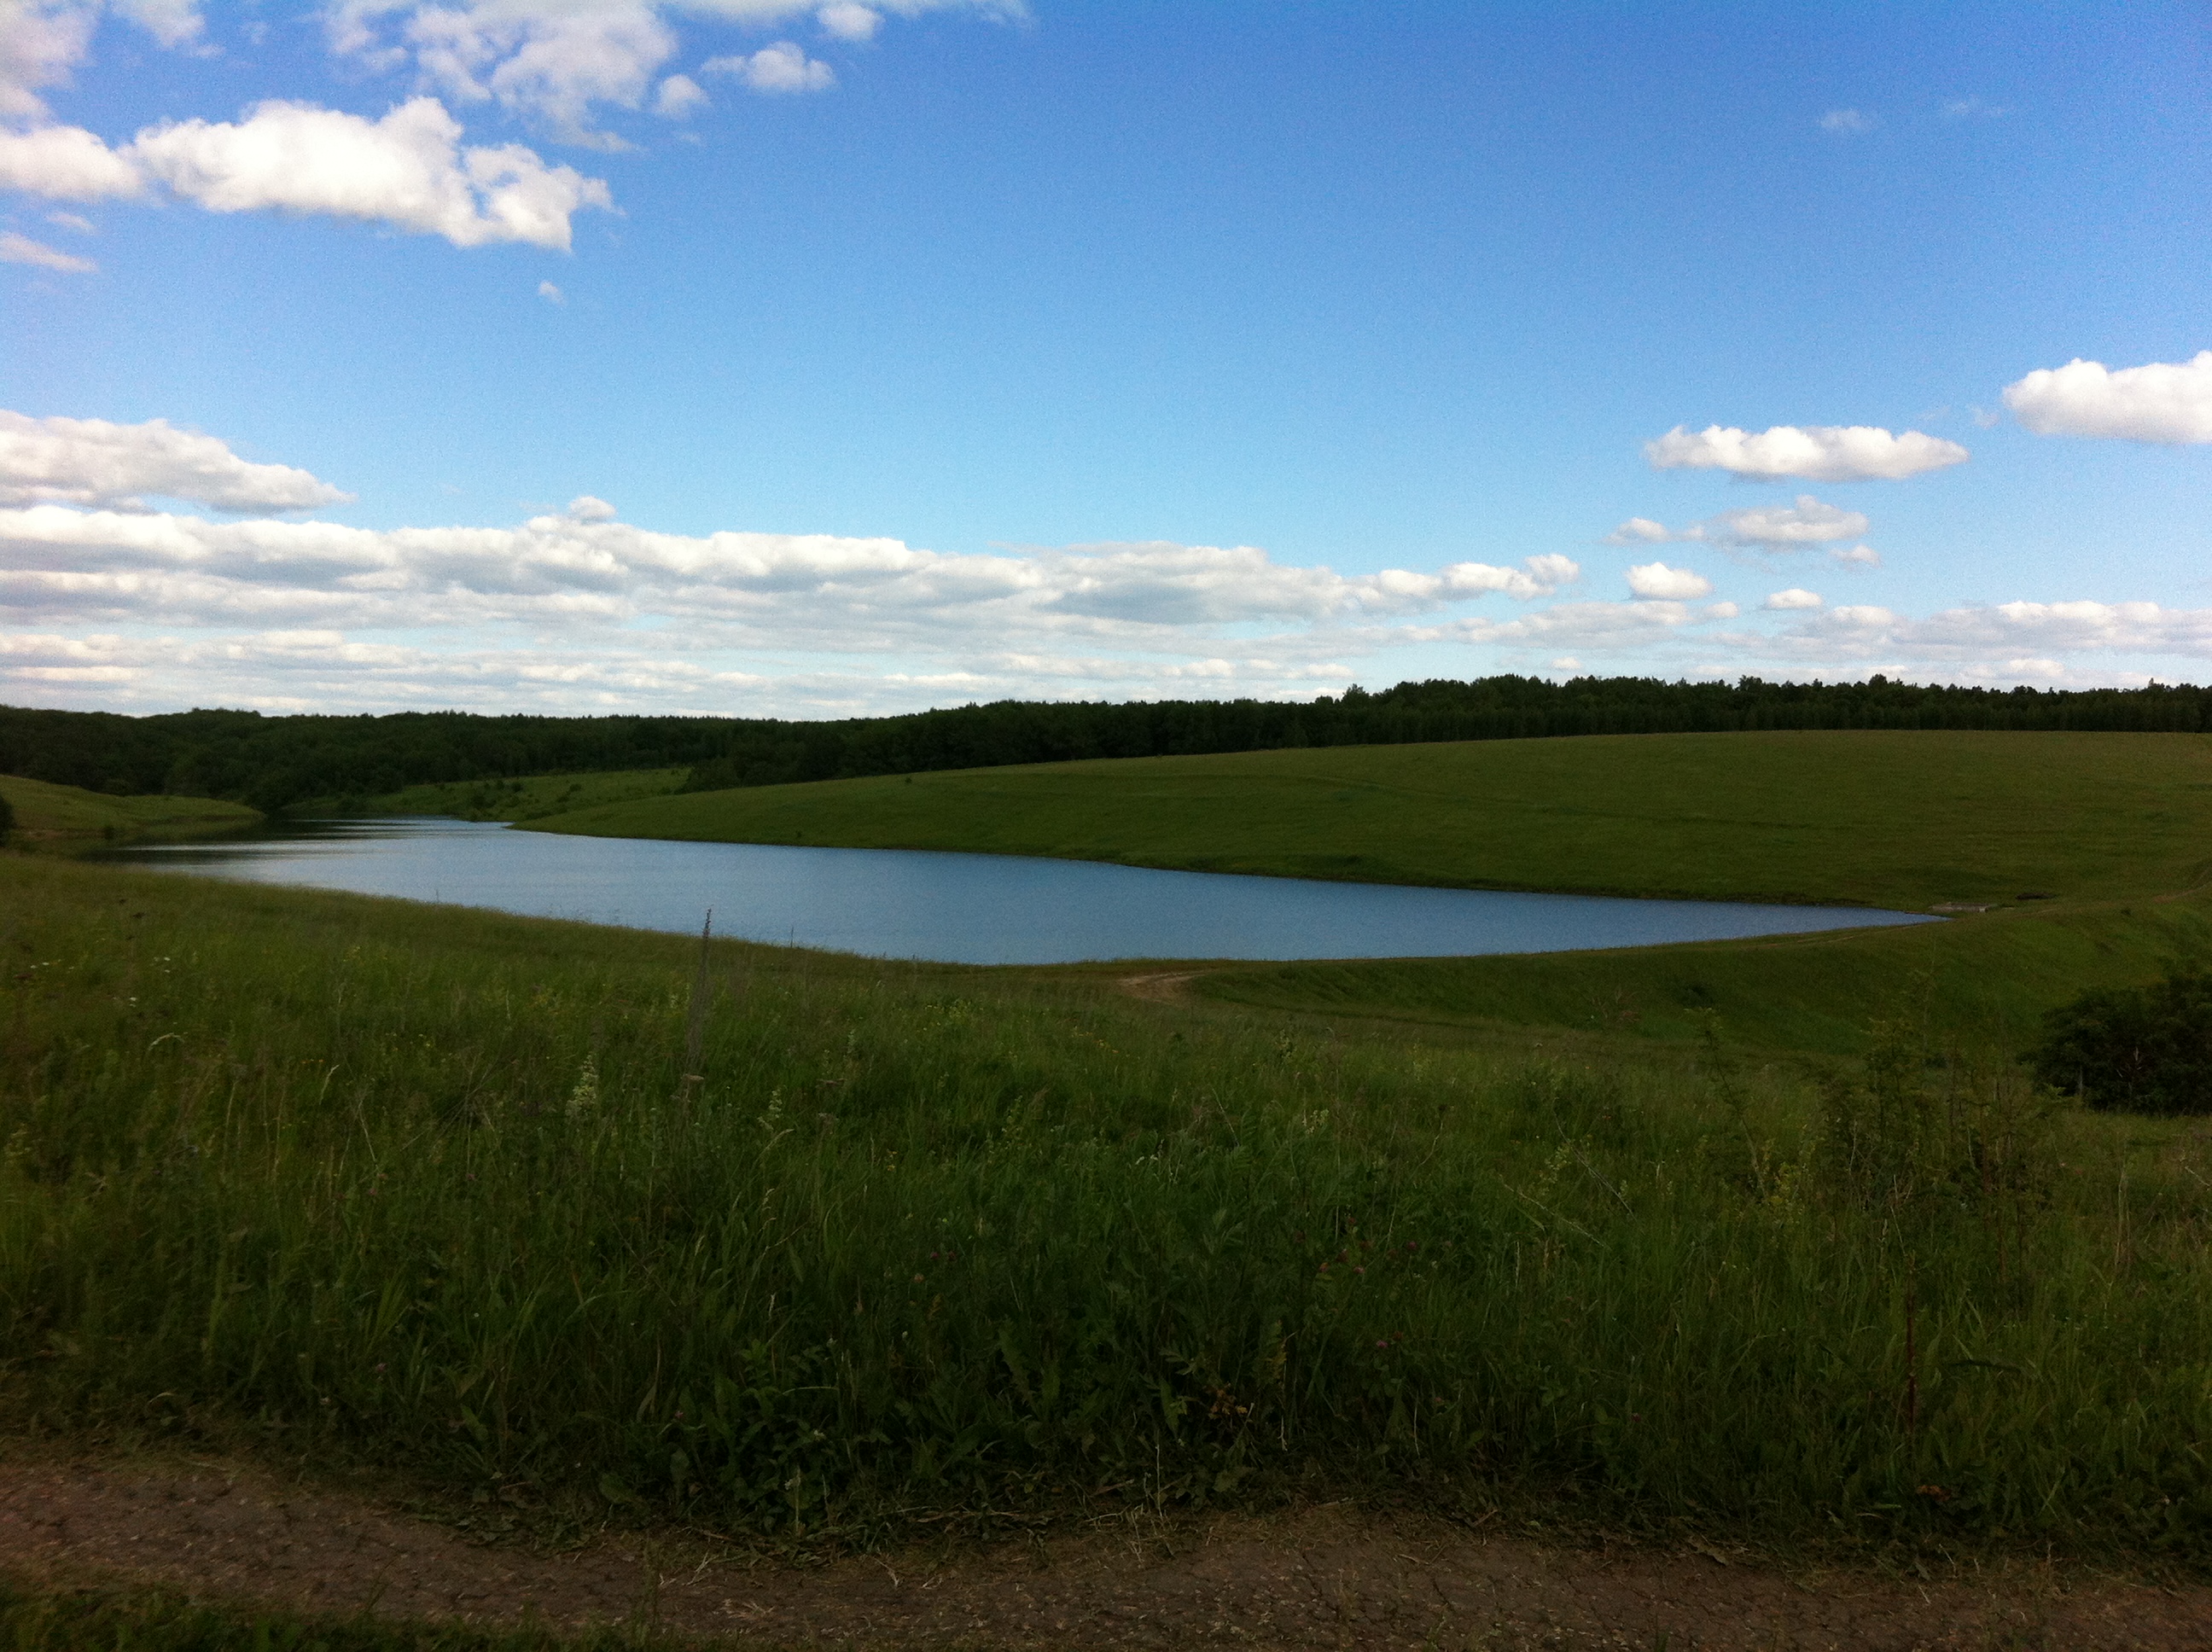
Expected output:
{"points": [[544, 1210], [526, 798], [1981, 980], [1904, 820], [65, 818]]}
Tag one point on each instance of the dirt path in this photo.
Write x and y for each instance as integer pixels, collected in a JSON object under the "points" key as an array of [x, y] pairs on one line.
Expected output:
{"points": [[1326, 1577], [1164, 986]]}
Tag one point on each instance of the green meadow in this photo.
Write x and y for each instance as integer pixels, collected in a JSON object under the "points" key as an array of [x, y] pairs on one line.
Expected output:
{"points": [[816, 1247], [1893, 819], [67, 818], [2078, 845], [1769, 1237]]}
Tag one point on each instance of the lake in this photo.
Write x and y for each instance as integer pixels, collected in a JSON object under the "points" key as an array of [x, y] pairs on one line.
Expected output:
{"points": [[958, 908]]}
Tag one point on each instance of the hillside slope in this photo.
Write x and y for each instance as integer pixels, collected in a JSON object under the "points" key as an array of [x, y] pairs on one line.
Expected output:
{"points": [[1907, 820]]}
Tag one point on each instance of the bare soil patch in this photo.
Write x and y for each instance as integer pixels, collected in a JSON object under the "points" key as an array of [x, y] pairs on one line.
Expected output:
{"points": [[1162, 987], [1334, 1577]]}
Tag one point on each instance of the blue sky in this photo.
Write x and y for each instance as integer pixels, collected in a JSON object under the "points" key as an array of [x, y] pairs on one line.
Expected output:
{"points": [[824, 358]]}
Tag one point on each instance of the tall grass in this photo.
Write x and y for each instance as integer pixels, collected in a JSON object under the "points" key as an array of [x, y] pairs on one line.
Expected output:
{"points": [[432, 1187]]}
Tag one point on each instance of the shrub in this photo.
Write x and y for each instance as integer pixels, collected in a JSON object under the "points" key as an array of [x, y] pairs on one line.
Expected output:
{"points": [[2135, 1049]]}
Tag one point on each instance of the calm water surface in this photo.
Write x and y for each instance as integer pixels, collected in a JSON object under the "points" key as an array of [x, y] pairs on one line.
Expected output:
{"points": [[958, 908]]}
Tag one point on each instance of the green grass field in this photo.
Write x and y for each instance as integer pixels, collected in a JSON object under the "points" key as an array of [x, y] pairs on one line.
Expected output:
{"points": [[523, 798], [2108, 826], [65, 818], [333, 1180], [1904, 820]]}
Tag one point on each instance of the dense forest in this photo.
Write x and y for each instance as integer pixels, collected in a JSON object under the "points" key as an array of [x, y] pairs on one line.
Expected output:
{"points": [[274, 762]]}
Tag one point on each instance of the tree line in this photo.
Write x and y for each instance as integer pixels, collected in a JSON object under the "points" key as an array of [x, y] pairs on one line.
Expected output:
{"points": [[275, 762]]}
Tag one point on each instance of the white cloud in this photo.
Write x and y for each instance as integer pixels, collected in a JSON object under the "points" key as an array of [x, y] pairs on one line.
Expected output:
{"points": [[83, 226], [408, 169], [22, 249], [849, 22], [782, 67], [65, 163], [550, 62], [1795, 597], [679, 96], [551, 293], [1847, 120], [1858, 556], [585, 567], [43, 41], [1722, 610], [561, 61], [93, 462], [2162, 402], [1823, 452], [1760, 527], [40, 42], [1657, 580], [1640, 530], [1973, 109]]}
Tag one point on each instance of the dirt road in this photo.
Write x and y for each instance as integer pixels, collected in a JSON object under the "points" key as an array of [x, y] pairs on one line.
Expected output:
{"points": [[1326, 1577]]}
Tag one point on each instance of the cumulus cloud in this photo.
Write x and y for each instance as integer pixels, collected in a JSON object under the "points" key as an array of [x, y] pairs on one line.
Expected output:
{"points": [[551, 293], [408, 169], [40, 42], [559, 62], [43, 41], [22, 249], [1760, 528], [93, 462], [1858, 556], [1795, 597], [2161, 402], [782, 67], [1657, 580], [66, 163], [583, 566], [1820, 453], [679, 96], [1847, 120], [849, 22]]}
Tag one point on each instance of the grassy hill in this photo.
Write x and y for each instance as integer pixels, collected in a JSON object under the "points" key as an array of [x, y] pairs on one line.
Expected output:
{"points": [[813, 1248], [2102, 830], [1897, 819], [523, 797], [66, 818]]}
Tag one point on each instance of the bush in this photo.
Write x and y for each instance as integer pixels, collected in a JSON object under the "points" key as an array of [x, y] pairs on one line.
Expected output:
{"points": [[6, 819], [2134, 1049]]}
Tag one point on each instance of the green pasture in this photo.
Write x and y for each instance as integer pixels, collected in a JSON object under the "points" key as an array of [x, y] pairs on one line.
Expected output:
{"points": [[1907, 820], [799, 1244], [525, 798], [2074, 846], [1978, 980], [50, 817]]}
